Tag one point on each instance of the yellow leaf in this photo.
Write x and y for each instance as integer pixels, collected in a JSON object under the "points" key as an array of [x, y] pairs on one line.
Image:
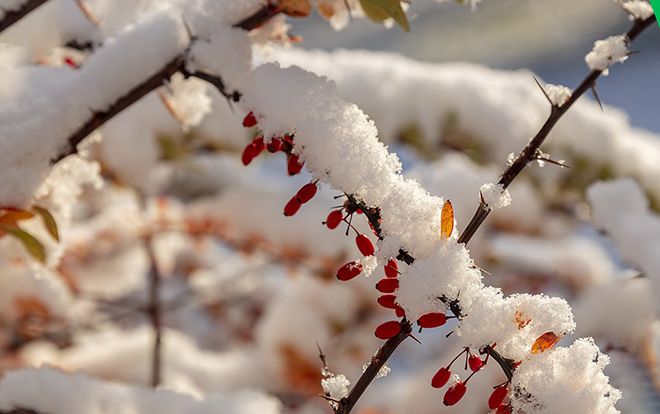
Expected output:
{"points": [[447, 220], [544, 342], [295, 8], [33, 246], [379, 10], [49, 221]]}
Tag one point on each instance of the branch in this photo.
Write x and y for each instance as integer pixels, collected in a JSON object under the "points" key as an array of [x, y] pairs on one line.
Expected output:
{"points": [[259, 18], [14, 16], [347, 403], [528, 153], [155, 314]]}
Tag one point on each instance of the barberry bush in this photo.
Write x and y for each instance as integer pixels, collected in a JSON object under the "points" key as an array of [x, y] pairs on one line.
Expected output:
{"points": [[198, 216]]}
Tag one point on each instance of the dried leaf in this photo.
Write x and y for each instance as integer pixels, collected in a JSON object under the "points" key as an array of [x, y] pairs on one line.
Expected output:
{"points": [[521, 319], [295, 8], [447, 220], [30, 306], [544, 342], [11, 216], [33, 246], [379, 10], [49, 221]]}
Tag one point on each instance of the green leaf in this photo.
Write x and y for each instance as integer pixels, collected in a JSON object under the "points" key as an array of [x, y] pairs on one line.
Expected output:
{"points": [[33, 246], [379, 10], [49, 221]]}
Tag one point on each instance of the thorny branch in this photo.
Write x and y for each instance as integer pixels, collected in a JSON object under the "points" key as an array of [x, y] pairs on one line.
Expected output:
{"points": [[527, 155], [14, 16]]}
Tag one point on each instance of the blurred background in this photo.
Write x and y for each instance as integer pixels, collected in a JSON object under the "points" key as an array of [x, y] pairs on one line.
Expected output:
{"points": [[548, 37]]}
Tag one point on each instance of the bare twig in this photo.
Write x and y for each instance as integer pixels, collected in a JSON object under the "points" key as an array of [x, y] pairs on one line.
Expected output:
{"points": [[529, 152], [14, 16], [155, 314]]}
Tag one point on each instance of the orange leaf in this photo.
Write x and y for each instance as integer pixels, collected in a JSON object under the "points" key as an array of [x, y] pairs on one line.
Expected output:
{"points": [[12, 216], [544, 342], [30, 306], [447, 220], [521, 319]]}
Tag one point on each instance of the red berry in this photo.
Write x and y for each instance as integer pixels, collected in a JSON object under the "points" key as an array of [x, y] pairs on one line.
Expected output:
{"points": [[288, 138], [275, 145], [391, 268], [349, 271], [387, 285], [364, 245], [432, 320], [248, 154], [504, 409], [259, 146], [292, 207], [359, 211], [399, 311], [475, 363], [306, 192], [498, 395], [334, 218], [388, 330], [249, 120], [454, 393], [387, 301], [441, 377], [293, 165]]}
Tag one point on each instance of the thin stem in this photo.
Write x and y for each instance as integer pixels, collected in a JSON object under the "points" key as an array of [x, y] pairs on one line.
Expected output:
{"points": [[155, 315], [528, 153], [14, 16]]}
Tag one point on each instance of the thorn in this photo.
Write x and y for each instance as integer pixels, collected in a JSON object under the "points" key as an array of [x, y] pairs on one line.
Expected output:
{"points": [[482, 269], [551, 161], [415, 339], [191, 36], [543, 90], [593, 90], [322, 356]]}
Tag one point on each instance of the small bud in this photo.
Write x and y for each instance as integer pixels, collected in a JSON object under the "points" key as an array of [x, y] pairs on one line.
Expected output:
{"points": [[432, 320], [364, 245], [454, 393], [292, 207], [391, 268], [388, 330], [334, 219], [497, 397], [349, 271], [249, 120], [387, 285], [306, 192], [441, 378]]}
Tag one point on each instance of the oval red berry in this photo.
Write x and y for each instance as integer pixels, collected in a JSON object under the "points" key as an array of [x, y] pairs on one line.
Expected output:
{"points": [[475, 363], [387, 301], [497, 397], [432, 320], [441, 377], [388, 330], [293, 165], [258, 145], [306, 192], [387, 285], [398, 311], [454, 393], [250, 120], [334, 218], [292, 207], [504, 409], [248, 154], [364, 245], [349, 271], [391, 268]]}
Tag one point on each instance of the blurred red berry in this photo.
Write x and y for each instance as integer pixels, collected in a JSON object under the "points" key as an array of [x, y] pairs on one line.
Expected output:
{"points": [[293, 165], [275, 145], [399, 312], [497, 397], [292, 207], [249, 120]]}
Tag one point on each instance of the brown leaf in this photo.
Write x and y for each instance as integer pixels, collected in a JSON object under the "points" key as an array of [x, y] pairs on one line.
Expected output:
{"points": [[12, 216], [447, 220], [300, 373], [30, 306], [544, 342], [49, 221], [295, 8]]}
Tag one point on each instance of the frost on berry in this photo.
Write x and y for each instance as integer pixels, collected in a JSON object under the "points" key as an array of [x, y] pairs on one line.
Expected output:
{"points": [[349, 271], [454, 393]]}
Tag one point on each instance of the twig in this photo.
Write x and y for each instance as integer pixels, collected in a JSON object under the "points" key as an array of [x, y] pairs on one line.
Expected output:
{"points": [[528, 154], [14, 16], [155, 314], [347, 403], [263, 15]]}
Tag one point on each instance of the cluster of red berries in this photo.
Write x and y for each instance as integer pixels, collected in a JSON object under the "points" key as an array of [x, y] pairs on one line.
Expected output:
{"points": [[457, 390], [277, 144]]}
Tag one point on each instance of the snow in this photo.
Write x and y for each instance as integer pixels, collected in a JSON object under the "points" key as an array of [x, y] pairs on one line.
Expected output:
{"points": [[607, 52], [558, 94], [336, 386], [56, 392], [638, 9], [495, 196]]}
